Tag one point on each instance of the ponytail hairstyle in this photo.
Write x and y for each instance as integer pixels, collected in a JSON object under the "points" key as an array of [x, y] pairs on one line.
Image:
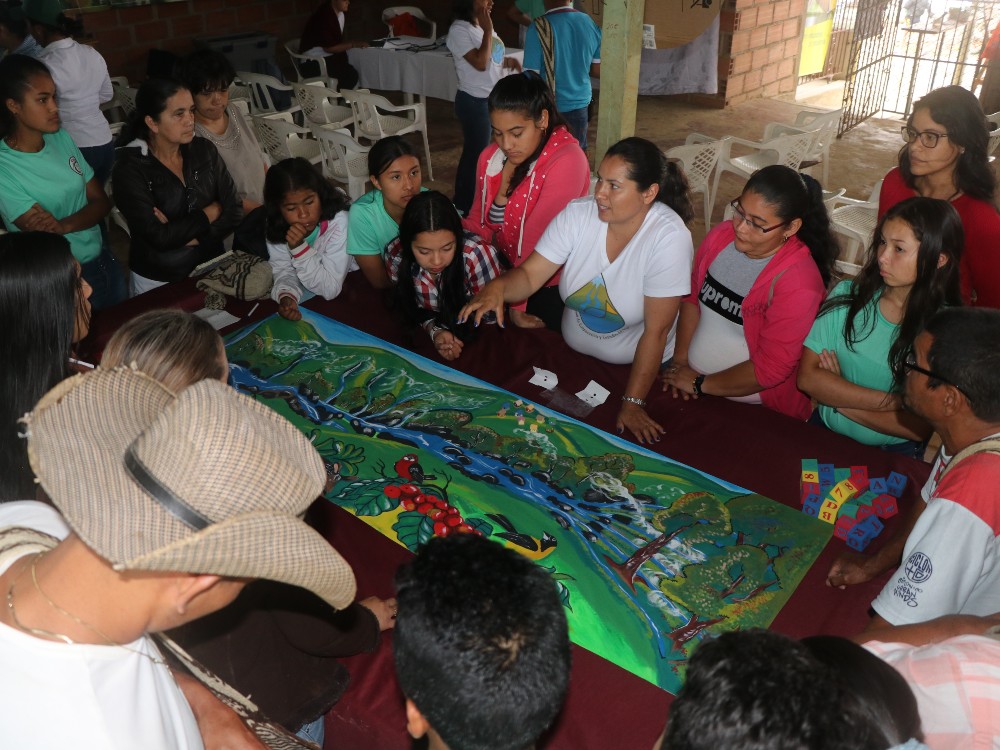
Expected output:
{"points": [[431, 211], [150, 101], [798, 196], [528, 95], [296, 174], [647, 165], [42, 309], [958, 111], [16, 72], [938, 229]]}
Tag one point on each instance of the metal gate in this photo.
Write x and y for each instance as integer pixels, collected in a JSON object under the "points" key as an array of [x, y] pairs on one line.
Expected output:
{"points": [[892, 52], [869, 60]]}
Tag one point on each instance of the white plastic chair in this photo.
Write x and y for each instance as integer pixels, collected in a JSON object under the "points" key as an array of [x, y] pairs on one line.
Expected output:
{"points": [[698, 160], [371, 124], [789, 150], [283, 139], [413, 11], [260, 87], [116, 216], [994, 141], [297, 58], [344, 159], [826, 121], [856, 220], [319, 105]]}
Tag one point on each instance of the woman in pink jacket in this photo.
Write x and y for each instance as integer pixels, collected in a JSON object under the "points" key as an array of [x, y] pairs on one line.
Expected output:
{"points": [[758, 281], [530, 174]]}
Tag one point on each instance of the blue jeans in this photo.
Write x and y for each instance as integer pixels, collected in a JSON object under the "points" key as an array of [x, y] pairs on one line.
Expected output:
{"points": [[474, 117], [911, 448], [577, 121], [100, 159], [314, 731], [105, 276]]}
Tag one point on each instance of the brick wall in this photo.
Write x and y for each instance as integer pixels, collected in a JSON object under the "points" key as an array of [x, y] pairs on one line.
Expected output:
{"points": [[125, 35], [762, 38]]}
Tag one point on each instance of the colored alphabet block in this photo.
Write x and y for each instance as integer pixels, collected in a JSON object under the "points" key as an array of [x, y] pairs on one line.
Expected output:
{"points": [[807, 490], [810, 471], [872, 525], [864, 511], [877, 485], [885, 506], [895, 484], [843, 526], [866, 498], [849, 510], [859, 537], [859, 477], [825, 477], [843, 491], [811, 506], [840, 474]]}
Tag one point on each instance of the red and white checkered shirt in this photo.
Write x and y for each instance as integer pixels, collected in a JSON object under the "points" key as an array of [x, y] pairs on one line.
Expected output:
{"points": [[482, 265]]}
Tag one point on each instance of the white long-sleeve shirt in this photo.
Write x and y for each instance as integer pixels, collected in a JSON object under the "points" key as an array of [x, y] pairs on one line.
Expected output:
{"points": [[319, 268]]}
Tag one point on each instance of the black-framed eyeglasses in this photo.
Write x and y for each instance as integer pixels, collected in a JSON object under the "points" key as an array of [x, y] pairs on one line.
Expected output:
{"points": [[738, 213], [910, 365], [928, 138]]}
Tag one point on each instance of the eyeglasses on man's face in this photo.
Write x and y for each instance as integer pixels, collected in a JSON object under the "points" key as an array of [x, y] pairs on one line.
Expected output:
{"points": [[910, 365], [928, 138], [739, 216]]}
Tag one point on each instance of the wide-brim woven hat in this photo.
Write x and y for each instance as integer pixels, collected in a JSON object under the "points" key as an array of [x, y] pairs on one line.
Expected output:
{"points": [[205, 481]]}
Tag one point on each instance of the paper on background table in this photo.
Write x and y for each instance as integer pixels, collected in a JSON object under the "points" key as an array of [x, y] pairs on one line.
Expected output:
{"points": [[594, 394], [544, 378], [218, 319]]}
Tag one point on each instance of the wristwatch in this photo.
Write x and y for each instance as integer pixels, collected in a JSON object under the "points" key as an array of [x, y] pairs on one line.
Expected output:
{"points": [[697, 385]]}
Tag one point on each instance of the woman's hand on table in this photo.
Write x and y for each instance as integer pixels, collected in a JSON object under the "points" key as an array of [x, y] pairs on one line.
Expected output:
{"points": [[488, 299], [523, 319], [639, 423], [383, 609], [679, 378], [448, 345], [288, 308]]}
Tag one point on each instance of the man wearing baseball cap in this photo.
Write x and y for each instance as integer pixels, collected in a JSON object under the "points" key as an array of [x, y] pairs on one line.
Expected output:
{"points": [[173, 503]]}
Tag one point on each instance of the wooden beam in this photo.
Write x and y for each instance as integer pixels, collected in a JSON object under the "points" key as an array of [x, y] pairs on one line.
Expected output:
{"points": [[621, 49]]}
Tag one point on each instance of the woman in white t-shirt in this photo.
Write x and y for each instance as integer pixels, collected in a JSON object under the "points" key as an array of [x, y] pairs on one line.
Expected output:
{"points": [[479, 64], [82, 82], [630, 236]]}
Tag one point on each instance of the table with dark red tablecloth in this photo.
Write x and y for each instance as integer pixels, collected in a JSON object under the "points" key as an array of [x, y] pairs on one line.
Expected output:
{"points": [[748, 445]]}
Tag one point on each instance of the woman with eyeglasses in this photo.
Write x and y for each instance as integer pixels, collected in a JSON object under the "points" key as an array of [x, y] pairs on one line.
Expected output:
{"points": [[854, 359], [945, 157], [758, 281]]}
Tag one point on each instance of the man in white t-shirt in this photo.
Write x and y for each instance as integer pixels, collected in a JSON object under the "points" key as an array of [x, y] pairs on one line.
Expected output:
{"points": [[950, 559], [170, 505]]}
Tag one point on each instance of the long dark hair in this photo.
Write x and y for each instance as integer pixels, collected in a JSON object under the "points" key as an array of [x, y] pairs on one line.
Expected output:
{"points": [[16, 71], [798, 196], [529, 96], [647, 166], [959, 112], [385, 152], [206, 70], [429, 212], [462, 10], [297, 174], [938, 229], [40, 300], [150, 101]]}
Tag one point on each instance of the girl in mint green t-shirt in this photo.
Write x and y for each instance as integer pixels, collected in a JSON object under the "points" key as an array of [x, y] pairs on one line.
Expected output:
{"points": [[852, 361]]}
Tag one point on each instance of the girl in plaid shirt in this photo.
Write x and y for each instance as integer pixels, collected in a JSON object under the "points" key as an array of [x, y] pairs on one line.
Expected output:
{"points": [[437, 267]]}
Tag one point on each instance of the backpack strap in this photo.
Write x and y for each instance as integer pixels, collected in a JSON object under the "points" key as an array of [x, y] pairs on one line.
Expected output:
{"points": [[990, 445], [548, 43]]}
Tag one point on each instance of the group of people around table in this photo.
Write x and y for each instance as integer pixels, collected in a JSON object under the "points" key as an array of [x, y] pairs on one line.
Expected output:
{"points": [[887, 356]]}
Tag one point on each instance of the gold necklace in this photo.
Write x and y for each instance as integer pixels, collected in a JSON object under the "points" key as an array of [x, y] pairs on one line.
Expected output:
{"points": [[60, 636]]}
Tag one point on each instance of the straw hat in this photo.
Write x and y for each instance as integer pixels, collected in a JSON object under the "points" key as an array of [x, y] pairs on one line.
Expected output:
{"points": [[207, 481]]}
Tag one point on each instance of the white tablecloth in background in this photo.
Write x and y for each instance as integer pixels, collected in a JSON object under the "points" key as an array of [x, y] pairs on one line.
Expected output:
{"points": [[425, 73]]}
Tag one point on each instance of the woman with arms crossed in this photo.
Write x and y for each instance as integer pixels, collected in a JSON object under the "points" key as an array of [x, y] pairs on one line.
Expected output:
{"points": [[625, 256]]}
